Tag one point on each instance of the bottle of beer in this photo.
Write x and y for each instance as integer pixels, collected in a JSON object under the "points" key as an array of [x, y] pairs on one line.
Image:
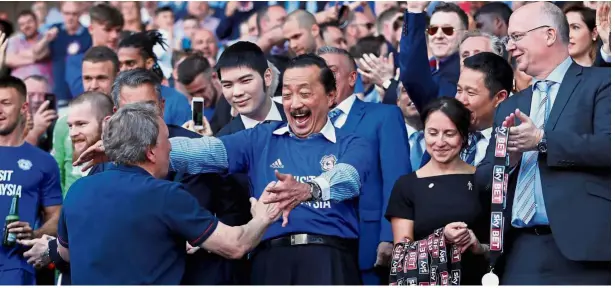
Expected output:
{"points": [[9, 239]]}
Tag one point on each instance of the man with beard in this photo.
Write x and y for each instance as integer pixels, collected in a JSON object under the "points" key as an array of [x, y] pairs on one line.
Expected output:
{"points": [[201, 81], [302, 32], [23, 64], [137, 51], [100, 66], [28, 174], [85, 117]]}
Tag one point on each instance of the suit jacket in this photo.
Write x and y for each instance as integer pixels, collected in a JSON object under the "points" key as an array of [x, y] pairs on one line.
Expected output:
{"points": [[575, 172], [383, 126], [422, 84]]}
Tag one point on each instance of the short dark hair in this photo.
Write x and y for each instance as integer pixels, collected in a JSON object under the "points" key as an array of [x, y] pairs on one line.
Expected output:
{"points": [[327, 78], [498, 73], [101, 103], [99, 54], [107, 15], [27, 13], [179, 54], [446, 7], [368, 45], [498, 9], [386, 16], [455, 111], [190, 17], [243, 54], [15, 83], [163, 9], [192, 67], [36, 77], [134, 78]]}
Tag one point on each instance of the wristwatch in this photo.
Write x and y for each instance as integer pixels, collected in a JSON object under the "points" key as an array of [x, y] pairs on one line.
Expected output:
{"points": [[542, 145], [315, 191]]}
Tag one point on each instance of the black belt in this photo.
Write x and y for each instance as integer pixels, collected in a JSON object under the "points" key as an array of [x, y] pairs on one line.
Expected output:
{"points": [[537, 230], [309, 239]]}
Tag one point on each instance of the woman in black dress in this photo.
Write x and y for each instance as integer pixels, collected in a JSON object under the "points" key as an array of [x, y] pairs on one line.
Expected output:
{"points": [[442, 193]]}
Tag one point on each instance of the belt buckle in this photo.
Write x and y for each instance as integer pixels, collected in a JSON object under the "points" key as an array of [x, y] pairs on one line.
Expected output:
{"points": [[298, 239]]}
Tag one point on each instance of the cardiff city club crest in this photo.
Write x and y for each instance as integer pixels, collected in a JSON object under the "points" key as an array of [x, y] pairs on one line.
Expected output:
{"points": [[327, 162], [24, 164]]}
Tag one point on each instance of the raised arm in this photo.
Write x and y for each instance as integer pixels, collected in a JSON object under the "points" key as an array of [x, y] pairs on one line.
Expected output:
{"points": [[198, 155]]}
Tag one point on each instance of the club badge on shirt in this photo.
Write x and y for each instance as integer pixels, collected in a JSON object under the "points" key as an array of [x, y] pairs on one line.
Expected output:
{"points": [[73, 48], [24, 164], [327, 162]]}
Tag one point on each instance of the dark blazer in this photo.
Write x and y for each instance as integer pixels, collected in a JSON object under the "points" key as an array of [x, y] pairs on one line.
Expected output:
{"points": [[422, 84], [222, 115], [383, 126], [236, 124], [576, 170]]}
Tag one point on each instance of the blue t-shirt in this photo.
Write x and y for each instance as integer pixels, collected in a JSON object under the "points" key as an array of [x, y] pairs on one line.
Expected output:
{"points": [[125, 227], [74, 72], [177, 109], [34, 175], [305, 159], [60, 48]]}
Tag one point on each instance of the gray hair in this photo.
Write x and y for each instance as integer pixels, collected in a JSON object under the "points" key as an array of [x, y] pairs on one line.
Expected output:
{"points": [[130, 132], [498, 47], [134, 78], [275, 80], [556, 18], [334, 50]]}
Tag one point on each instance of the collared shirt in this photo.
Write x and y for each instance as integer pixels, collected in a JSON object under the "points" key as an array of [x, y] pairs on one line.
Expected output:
{"points": [[411, 131], [337, 161], [345, 107], [273, 115], [151, 219], [481, 145], [557, 76]]}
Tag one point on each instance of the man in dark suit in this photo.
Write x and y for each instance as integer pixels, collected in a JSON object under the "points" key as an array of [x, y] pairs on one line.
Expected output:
{"points": [[558, 212], [383, 126]]}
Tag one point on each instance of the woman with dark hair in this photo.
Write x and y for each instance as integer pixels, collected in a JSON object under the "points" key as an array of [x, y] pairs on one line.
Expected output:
{"points": [[583, 45], [442, 195]]}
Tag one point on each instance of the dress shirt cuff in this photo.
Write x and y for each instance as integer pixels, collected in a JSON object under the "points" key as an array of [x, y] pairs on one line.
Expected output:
{"points": [[344, 182], [606, 57], [324, 186]]}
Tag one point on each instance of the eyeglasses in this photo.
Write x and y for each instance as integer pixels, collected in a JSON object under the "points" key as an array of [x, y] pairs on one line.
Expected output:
{"points": [[518, 36], [447, 30]]}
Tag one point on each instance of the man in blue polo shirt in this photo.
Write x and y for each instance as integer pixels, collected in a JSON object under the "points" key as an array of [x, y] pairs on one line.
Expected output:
{"points": [[319, 172], [28, 173], [126, 226]]}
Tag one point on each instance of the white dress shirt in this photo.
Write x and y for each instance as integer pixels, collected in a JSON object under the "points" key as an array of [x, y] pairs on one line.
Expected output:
{"points": [[481, 146], [344, 106], [273, 115]]}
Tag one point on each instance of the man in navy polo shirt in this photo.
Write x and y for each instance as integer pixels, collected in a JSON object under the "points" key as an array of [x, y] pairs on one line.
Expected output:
{"points": [[127, 226], [29, 173], [60, 42]]}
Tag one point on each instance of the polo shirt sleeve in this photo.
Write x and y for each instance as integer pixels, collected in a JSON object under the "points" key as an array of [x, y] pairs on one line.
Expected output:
{"points": [[182, 214], [50, 189], [62, 231], [344, 180]]}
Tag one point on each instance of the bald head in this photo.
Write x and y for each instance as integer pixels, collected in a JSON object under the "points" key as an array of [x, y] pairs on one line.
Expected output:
{"points": [[305, 19], [544, 13]]}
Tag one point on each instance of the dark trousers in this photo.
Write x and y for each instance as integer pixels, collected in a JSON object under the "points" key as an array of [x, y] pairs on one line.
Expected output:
{"points": [[305, 265], [204, 268], [536, 260]]}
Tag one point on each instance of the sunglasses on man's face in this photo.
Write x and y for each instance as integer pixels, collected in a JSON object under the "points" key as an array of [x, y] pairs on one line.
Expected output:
{"points": [[447, 30]]}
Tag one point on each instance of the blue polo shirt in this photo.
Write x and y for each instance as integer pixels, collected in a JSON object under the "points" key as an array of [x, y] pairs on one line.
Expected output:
{"points": [[60, 48], [125, 227], [269, 147], [34, 175]]}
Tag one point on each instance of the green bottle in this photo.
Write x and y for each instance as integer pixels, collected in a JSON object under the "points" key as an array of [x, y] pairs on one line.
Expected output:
{"points": [[10, 239]]}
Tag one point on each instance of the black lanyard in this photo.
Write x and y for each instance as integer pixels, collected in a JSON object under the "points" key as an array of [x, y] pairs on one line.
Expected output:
{"points": [[498, 196]]}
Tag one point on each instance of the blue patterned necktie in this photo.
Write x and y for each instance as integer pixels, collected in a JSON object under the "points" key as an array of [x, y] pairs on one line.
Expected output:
{"points": [[334, 114], [469, 154], [524, 204], [416, 152]]}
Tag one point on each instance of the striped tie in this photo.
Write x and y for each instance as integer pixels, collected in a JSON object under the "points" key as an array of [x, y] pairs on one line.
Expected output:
{"points": [[334, 114], [469, 154], [524, 205]]}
